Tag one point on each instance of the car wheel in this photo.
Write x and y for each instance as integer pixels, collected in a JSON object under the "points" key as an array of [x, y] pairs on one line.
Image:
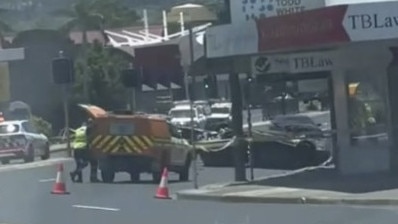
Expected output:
{"points": [[308, 152], [134, 177], [156, 176], [107, 176], [46, 154], [5, 161], [30, 156]]}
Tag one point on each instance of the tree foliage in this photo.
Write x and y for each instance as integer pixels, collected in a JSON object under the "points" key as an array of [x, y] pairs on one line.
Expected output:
{"points": [[42, 126], [103, 70]]}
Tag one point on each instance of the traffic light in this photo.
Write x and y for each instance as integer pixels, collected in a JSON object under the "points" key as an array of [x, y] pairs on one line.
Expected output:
{"points": [[206, 82], [131, 78], [62, 69]]}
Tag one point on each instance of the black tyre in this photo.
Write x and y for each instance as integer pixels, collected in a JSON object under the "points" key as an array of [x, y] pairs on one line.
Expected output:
{"points": [[107, 176], [46, 154], [30, 156], [184, 174], [5, 161], [308, 152], [134, 177]]}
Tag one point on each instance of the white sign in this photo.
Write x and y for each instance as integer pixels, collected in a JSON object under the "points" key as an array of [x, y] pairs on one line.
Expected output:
{"points": [[293, 63], [267, 64], [231, 40], [373, 21], [245, 10]]}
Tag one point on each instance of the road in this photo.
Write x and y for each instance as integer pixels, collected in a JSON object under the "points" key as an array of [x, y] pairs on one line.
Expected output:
{"points": [[25, 199]]}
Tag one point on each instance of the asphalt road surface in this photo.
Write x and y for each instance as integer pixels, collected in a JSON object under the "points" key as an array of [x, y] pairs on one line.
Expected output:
{"points": [[26, 199]]}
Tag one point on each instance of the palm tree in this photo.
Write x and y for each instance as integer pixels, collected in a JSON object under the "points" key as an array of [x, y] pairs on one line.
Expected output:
{"points": [[88, 15]]}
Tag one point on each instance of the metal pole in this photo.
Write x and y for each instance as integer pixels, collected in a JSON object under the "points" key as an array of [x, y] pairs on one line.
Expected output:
{"points": [[192, 59], [251, 156], [66, 114], [133, 100]]}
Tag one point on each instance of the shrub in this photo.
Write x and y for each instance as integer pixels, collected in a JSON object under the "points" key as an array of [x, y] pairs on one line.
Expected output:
{"points": [[42, 126]]}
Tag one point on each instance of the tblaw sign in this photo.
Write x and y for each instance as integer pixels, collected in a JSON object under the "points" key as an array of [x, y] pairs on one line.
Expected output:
{"points": [[311, 62], [373, 21], [293, 63]]}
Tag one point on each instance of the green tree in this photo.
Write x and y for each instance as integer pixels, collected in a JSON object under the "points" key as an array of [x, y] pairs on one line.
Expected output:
{"points": [[95, 15], [103, 72]]}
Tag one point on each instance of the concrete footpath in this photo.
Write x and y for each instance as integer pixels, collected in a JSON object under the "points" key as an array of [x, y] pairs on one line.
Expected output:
{"points": [[312, 186]]}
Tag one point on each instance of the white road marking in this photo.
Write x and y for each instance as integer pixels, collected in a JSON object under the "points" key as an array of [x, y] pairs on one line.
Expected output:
{"points": [[47, 180], [254, 193], [96, 208], [37, 164]]}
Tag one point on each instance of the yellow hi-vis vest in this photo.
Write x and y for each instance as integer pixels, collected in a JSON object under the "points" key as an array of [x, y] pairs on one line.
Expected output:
{"points": [[80, 141]]}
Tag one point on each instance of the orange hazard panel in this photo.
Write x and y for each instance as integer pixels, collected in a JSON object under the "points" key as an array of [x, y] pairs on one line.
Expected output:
{"points": [[93, 111]]}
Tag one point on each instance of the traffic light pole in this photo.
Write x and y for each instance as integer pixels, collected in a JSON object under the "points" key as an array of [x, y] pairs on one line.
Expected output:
{"points": [[66, 113], [131, 93]]}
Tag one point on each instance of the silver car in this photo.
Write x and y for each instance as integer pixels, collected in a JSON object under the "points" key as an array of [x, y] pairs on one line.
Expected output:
{"points": [[20, 140]]}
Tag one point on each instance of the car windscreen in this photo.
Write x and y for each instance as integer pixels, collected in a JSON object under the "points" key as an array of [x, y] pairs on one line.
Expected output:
{"points": [[220, 110], [180, 113], [9, 128]]}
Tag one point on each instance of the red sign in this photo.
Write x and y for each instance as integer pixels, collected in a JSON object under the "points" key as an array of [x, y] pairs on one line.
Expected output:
{"points": [[309, 28]]}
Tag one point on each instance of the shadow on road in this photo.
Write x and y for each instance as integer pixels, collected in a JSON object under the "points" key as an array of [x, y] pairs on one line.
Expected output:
{"points": [[329, 179]]}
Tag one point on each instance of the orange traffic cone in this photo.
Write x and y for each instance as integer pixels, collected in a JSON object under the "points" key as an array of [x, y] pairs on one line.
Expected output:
{"points": [[163, 191], [59, 186]]}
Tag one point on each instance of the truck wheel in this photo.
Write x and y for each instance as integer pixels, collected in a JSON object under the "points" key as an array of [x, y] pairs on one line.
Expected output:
{"points": [[156, 177], [46, 154], [30, 156], [135, 177], [184, 174], [107, 176]]}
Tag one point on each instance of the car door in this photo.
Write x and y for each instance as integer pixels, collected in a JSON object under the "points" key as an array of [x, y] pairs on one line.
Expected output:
{"points": [[37, 139]]}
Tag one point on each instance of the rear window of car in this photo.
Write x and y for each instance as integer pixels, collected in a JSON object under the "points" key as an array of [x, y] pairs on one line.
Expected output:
{"points": [[9, 128]]}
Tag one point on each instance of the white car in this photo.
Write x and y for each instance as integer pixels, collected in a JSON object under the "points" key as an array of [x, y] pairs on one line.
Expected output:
{"points": [[181, 116], [20, 140]]}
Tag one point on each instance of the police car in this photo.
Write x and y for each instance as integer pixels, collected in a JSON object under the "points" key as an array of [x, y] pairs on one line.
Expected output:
{"points": [[19, 139]]}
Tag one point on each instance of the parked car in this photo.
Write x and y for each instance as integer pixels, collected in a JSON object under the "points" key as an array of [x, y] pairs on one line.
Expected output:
{"points": [[19, 139]]}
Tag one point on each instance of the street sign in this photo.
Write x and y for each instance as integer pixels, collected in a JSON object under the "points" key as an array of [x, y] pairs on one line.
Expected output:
{"points": [[4, 82]]}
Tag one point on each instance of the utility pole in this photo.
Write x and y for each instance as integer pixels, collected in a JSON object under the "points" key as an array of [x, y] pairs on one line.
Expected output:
{"points": [[239, 149]]}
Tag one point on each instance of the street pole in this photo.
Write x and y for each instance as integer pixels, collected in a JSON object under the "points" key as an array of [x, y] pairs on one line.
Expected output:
{"points": [[66, 114], [131, 97], [249, 122], [251, 156], [190, 95]]}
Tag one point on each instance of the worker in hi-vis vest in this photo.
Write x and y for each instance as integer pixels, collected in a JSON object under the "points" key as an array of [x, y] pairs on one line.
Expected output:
{"points": [[80, 153]]}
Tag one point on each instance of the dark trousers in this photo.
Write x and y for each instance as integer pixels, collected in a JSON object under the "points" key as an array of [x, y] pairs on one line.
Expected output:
{"points": [[81, 159]]}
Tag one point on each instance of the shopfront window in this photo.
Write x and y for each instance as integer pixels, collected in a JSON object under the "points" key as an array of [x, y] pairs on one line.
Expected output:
{"points": [[367, 110]]}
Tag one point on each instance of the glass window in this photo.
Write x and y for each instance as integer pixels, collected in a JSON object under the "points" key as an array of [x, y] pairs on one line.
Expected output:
{"points": [[220, 110], [28, 127], [366, 110], [122, 129], [9, 128]]}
